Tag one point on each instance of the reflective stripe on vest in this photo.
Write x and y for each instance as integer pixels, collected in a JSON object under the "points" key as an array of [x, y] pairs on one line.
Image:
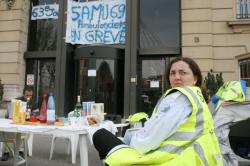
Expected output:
{"points": [[184, 138], [197, 147], [200, 152], [187, 136], [232, 89]]}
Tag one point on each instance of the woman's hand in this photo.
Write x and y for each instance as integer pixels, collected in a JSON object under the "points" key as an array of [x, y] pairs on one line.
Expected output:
{"points": [[92, 120]]}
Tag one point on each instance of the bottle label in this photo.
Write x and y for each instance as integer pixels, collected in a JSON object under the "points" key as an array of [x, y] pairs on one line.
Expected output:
{"points": [[51, 116]]}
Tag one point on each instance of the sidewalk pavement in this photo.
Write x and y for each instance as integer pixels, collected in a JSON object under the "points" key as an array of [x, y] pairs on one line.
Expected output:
{"points": [[41, 150]]}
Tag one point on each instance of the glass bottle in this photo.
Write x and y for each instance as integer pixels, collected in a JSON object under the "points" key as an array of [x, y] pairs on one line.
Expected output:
{"points": [[51, 116], [43, 109], [28, 109], [78, 107]]}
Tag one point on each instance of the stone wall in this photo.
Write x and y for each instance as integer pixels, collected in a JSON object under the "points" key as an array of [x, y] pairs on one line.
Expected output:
{"points": [[13, 44], [213, 37]]}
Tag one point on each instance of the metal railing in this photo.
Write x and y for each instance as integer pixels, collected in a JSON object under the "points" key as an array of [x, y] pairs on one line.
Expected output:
{"points": [[243, 9]]}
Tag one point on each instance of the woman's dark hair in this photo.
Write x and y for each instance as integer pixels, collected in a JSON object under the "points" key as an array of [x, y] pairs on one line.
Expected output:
{"points": [[196, 72]]}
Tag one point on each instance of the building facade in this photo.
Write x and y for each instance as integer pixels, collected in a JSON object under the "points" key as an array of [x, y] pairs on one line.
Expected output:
{"points": [[128, 77]]}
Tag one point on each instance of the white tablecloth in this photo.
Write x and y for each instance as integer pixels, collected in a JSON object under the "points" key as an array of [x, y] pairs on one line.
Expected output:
{"points": [[7, 123], [81, 131]]}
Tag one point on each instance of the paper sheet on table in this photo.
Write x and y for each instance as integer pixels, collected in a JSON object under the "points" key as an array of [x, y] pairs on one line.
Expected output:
{"points": [[108, 125]]}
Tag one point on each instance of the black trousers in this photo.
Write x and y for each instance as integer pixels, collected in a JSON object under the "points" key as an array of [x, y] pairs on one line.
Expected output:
{"points": [[104, 141]]}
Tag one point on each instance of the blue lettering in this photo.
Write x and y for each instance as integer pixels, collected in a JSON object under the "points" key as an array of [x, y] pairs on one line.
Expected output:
{"points": [[109, 25], [122, 36], [96, 9], [113, 12], [75, 14], [34, 12], [105, 13], [98, 36], [116, 25], [115, 37], [102, 22], [79, 23], [48, 11], [122, 11], [89, 36], [122, 25], [106, 38], [90, 26], [41, 11], [75, 35], [102, 26], [85, 11]]}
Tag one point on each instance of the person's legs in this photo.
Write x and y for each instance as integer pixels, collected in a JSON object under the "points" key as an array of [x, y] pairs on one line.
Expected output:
{"points": [[8, 147], [104, 141], [6, 153]]}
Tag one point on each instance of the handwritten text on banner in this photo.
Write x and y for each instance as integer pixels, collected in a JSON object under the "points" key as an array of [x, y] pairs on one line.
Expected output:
{"points": [[96, 22], [44, 12]]}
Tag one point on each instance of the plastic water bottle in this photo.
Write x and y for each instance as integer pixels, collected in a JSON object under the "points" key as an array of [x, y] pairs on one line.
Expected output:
{"points": [[51, 115]]}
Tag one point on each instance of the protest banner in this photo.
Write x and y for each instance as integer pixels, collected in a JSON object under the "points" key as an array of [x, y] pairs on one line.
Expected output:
{"points": [[96, 22]]}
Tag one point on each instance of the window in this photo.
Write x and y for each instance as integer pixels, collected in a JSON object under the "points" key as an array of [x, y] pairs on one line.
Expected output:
{"points": [[151, 82], [43, 32], [243, 9], [245, 70], [160, 25]]}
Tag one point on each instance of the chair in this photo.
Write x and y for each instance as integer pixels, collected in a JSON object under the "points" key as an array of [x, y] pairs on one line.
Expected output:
{"points": [[121, 127], [10, 138], [7, 113], [72, 142]]}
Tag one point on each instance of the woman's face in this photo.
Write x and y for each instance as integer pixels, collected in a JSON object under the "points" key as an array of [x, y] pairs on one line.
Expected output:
{"points": [[181, 75]]}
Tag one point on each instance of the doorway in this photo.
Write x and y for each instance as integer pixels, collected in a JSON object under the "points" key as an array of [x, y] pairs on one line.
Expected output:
{"points": [[42, 72], [100, 77], [151, 82]]}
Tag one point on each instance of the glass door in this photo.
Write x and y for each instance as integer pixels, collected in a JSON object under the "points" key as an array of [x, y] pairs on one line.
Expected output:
{"points": [[101, 80], [100, 77], [96, 81], [42, 71], [152, 82]]}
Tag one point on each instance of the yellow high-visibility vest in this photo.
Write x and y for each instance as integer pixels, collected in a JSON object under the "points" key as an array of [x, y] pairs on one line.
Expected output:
{"points": [[230, 91], [137, 117], [193, 144]]}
